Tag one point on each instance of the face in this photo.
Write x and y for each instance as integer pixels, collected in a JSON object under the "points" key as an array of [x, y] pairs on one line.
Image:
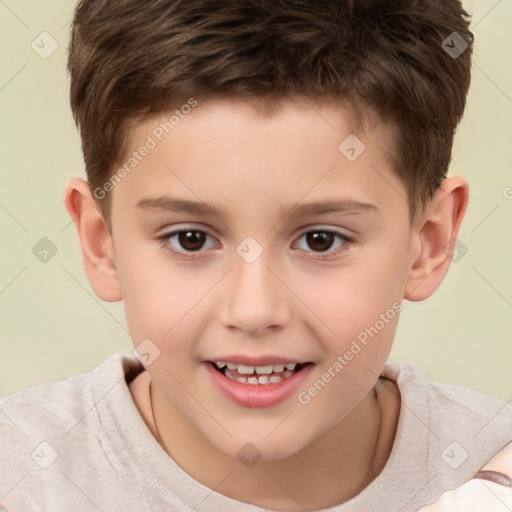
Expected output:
{"points": [[259, 242]]}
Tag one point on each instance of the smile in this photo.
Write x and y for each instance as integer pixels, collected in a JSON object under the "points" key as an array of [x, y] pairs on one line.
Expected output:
{"points": [[260, 384], [254, 375]]}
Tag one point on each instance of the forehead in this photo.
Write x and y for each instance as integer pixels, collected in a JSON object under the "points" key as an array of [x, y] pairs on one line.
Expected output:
{"points": [[233, 154]]}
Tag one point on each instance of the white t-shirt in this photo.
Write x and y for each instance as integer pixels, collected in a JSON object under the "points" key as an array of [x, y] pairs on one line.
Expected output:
{"points": [[81, 445]]}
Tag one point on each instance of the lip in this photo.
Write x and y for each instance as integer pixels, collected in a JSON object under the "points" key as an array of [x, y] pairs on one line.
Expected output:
{"points": [[256, 361], [257, 395]]}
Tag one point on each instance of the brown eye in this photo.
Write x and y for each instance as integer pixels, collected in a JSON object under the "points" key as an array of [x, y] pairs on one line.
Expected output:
{"points": [[191, 240], [320, 240], [187, 241], [324, 243]]}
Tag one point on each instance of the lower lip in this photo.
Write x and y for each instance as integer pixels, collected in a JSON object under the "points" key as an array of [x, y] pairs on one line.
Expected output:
{"points": [[258, 395]]}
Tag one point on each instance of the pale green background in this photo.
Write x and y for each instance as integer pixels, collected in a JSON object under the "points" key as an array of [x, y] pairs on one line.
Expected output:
{"points": [[52, 324]]}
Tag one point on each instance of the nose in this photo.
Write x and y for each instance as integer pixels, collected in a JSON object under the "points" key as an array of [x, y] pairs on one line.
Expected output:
{"points": [[254, 300]]}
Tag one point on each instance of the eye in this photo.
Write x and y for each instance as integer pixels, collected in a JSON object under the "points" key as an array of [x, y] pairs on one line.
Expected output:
{"points": [[191, 242], [186, 241], [322, 240]]}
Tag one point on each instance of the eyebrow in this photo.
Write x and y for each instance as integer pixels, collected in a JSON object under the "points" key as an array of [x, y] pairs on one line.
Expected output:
{"points": [[165, 203]]}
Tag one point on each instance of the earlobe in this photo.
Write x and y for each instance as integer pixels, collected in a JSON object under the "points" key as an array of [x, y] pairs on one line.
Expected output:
{"points": [[95, 240], [434, 239]]}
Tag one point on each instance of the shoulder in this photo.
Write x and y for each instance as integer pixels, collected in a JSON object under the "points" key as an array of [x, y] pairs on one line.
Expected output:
{"points": [[43, 426], [463, 428], [445, 434], [449, 404], [60, 401]]}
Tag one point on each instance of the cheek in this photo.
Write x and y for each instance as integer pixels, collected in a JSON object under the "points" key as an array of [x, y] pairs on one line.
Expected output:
{"points": [[353, 358], [358, 308], [162, 302], [349, 299]]}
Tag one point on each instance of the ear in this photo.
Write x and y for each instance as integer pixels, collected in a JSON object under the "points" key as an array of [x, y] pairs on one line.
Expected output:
{"points": [[433, 239], [95, 239]]}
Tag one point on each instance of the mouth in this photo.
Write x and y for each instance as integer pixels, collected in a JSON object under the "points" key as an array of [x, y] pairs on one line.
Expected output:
{"points": [[258, 375], [261, 382]]}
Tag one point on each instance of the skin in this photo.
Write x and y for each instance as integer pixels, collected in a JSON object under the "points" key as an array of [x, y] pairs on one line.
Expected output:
{"points": [[288, 302], [477, 495]]}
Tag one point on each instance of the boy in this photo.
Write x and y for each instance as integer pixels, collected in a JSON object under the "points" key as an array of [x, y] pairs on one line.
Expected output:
{"points": [[305, 146]]}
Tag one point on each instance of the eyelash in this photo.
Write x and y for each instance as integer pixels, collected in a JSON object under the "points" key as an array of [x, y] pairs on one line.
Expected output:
{"points": [[346, 243]]}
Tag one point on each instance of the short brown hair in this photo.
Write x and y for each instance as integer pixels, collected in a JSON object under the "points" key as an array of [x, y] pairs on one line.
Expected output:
{"points": [[131, 59]]}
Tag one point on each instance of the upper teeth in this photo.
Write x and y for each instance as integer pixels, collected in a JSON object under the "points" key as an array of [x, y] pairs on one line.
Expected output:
{"points": [[260, 370]]}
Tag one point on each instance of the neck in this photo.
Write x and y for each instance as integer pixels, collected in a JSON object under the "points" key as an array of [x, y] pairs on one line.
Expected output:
{"points": [[331, 470]]}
